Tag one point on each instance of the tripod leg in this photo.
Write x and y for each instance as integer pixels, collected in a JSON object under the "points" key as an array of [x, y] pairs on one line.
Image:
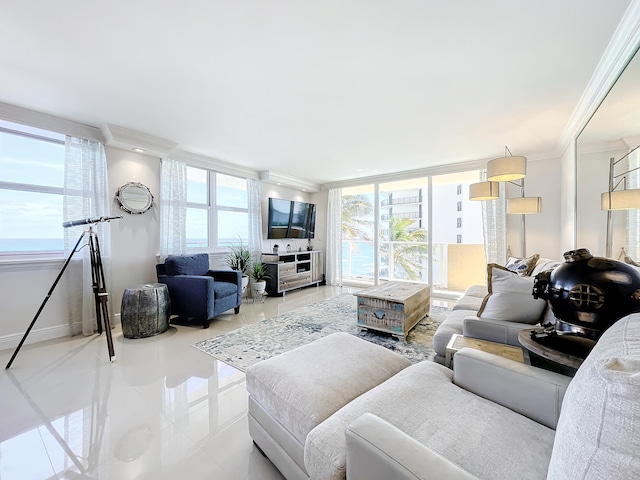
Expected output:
{"points": [[95, 282], [101, 294], [46, 299]]}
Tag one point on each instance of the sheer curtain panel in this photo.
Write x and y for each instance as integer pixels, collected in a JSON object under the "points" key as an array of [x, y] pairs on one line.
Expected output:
{"points": [[86, 194], [255, 218], [494, 220], [633, 216], [334, 237], [173, 207]]}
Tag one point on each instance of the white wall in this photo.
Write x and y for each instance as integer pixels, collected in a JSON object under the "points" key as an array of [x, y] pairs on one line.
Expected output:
{"points": [[134, 238], [542, 230]]}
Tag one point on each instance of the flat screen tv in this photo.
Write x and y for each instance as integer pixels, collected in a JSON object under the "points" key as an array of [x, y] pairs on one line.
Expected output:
{"points": [[291, 219]]}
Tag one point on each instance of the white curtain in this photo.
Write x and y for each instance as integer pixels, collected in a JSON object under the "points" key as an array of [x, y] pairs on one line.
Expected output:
{"points": [[494, 219], [334, 237], [633, 216], [173, 207], [255, 218], [86, 195]]}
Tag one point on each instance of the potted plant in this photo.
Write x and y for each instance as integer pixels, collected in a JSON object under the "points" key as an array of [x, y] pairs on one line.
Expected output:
{"points": [[240, 259], [259, 276]]}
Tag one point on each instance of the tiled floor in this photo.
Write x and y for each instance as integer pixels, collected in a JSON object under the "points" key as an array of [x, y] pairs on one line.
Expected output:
{"points": [[162, 410]]}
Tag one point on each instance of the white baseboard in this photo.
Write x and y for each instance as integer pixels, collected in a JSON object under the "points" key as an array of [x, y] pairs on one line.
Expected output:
{"points": [[42, 334], [35, 336]]}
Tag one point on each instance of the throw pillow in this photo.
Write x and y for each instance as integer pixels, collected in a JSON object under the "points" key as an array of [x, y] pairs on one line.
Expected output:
{"points": [[522, 266], [510, 297]]}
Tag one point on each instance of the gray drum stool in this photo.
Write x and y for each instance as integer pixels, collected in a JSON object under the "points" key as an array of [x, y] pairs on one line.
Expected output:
{"points": [[145, 310]]}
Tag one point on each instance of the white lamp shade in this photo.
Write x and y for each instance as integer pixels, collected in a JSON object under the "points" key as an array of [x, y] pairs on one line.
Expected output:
{"points": [[484, 191], [524, 205], [504, 169], [620, 200]]}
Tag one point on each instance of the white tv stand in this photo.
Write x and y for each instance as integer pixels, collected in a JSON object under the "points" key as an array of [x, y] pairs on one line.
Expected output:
{"points": [[292, 270]]}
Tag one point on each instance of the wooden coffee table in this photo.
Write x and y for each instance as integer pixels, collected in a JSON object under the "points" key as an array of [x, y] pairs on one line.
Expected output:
{"points": [[458, 341], [393, 307]]}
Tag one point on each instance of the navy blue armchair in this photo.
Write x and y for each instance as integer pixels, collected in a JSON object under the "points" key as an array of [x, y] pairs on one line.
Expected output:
{"points": [[197, 293]]}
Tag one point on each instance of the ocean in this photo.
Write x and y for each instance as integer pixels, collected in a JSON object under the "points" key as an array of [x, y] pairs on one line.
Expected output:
{"points": [[8, 245]]}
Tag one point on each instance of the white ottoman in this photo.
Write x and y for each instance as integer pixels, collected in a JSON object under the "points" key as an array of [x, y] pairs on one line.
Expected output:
{"points": [[292, 393]]}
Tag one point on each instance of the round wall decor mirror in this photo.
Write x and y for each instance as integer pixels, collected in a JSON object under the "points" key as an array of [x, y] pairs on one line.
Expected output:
{"points": [[134, 198]]}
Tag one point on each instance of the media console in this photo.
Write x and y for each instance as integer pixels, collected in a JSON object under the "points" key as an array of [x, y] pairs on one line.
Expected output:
{"points": [[289, 271]]}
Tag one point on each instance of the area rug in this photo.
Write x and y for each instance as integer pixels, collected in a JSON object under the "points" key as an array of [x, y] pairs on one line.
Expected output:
{"points": [[243, 347]]}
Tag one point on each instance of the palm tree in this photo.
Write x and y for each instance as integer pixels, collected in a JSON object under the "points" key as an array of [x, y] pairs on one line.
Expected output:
{"points": [[408, 246], [356, 222]]}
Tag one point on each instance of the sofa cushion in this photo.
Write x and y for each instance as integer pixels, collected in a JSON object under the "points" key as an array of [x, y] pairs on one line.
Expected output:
{"points": [[480, 436], [598, 434], [453, 324], [302, 387], [469, 303], [476, 291], [510, 297], [187, 264], [522, 266], [544, 264]]}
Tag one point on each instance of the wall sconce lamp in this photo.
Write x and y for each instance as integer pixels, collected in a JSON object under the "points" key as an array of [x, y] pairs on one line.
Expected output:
{"points": [[618, 200]]}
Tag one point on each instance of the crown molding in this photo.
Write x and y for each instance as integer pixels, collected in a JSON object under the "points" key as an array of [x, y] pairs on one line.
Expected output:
{"points": [[126, 139], [276, 178], [621, 49], [409, 174], [603, 147], [221, 166], [25, 116], [632, 142]]}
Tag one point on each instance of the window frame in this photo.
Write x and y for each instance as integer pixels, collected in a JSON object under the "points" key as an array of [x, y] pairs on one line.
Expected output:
{"points": [[32, 187], [213, 207]]}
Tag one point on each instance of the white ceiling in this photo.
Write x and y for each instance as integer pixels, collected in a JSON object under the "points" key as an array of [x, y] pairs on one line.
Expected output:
{"points": [[325, 91]]}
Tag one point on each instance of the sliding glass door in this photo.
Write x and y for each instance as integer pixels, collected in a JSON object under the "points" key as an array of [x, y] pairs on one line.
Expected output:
{"points": [[421, 229]]}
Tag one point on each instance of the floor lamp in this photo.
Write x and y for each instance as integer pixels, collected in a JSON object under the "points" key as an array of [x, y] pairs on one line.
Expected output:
{"points": [[612, 199], [510, 169]]}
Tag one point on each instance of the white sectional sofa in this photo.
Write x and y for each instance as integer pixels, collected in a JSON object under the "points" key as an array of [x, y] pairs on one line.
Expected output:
{"points": [[464, 318], [489, 418]]}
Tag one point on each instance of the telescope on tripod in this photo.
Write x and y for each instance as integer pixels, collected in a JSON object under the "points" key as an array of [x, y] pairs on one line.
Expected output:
{"points": [[97, 283]]}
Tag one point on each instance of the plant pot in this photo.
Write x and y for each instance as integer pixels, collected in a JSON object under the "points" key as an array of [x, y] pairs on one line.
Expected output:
{"points": [[257, 288], [245, 283]]}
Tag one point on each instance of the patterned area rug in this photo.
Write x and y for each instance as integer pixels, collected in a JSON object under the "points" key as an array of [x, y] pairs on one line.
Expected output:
{"points": [[243, 347]]}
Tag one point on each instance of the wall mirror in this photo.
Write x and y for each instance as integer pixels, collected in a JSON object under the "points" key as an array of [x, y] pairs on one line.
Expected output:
{"points": [[134, 198], [611, 132]]}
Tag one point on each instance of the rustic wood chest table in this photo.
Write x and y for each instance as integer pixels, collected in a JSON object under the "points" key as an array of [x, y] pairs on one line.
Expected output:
{"points": [[393, 307]]}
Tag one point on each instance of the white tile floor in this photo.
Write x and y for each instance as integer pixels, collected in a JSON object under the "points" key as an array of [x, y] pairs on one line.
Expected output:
{"points": [[162, 410]]}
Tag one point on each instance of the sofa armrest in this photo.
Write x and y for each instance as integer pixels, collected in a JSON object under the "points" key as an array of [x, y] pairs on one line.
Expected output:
{"points": [[529, 391], [493, 330], [377, 450]]}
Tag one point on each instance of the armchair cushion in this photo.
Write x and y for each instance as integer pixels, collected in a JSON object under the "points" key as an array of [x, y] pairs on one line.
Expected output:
{"points": [[187, 264]]}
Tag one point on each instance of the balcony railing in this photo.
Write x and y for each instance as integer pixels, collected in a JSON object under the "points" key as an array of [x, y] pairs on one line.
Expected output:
{"points": [[400, 201], [455, 266], [387, 216]]}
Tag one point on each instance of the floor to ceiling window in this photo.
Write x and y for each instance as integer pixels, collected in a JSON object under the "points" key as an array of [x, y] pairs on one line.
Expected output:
{"points": [[421, 229]]}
